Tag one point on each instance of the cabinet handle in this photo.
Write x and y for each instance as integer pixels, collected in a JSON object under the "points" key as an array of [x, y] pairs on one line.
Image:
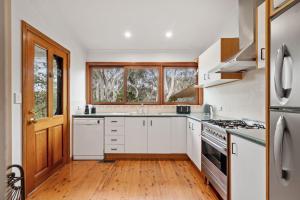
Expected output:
{"points": [[192, 126], [114, 140], [189, 124], [114, 130], [262, 53], [204, 76], [233, 149], [144, 123], [113, 121], [150, 122], [113, 149]]}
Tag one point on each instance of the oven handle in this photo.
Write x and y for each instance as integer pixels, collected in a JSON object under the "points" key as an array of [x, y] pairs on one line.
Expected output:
{"points": [[215, 145]]}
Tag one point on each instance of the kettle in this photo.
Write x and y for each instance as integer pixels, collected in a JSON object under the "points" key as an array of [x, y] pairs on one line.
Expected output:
{"points": [[208, 109]]}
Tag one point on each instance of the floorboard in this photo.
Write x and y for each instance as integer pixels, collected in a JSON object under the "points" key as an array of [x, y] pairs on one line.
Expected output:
{"points": [[125, 180]]}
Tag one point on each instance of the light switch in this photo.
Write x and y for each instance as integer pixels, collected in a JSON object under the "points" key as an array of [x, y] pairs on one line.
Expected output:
{"points": [[17, 98]]}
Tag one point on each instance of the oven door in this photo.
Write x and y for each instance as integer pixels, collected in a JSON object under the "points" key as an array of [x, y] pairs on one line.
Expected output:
{"points": [[214, 164]]}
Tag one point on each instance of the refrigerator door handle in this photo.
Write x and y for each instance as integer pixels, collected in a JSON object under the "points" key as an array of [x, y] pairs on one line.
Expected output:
{"points": [[278, 147], [278, 71], [281, 90]]}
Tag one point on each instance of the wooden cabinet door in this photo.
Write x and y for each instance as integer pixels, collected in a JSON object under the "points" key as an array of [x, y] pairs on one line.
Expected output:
{"points": [[45, 106], [178, 135], [159, 135], [136, 140], [248, 170]]}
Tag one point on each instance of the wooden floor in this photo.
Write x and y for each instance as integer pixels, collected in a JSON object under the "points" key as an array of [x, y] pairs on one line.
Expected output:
{"points": [[124, 180]]}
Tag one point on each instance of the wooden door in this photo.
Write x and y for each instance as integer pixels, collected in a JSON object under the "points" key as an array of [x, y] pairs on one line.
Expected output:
{"points": [[159, 135], [45, 106]]}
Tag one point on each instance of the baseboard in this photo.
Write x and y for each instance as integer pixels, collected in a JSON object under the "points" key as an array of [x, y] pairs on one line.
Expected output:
{"points": [[126, 156]]}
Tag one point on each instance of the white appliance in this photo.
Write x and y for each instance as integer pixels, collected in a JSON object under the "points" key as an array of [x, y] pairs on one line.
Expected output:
{"points": [[88, 139]]}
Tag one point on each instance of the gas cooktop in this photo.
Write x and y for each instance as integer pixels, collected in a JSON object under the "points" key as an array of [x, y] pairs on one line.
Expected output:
{"points": [[237, 124]]}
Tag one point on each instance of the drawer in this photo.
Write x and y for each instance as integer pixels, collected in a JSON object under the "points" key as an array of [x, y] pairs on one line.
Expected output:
{"points": [[114, 148], [114, 121], [111, 130], [114, 139]]}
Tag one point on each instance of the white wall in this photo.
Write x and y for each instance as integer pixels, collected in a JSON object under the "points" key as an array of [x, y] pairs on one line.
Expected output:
{"points": [[52, 27], [142, 55], [241, 99]]}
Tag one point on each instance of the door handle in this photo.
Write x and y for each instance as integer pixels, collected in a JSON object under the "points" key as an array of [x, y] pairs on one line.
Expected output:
{"points": [[278, 147], [281, 92], [32, 120]]}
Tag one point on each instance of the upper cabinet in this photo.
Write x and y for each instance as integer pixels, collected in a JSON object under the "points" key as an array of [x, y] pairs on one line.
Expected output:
{"points": [[214, 56], [261, 33], [279, 5]]}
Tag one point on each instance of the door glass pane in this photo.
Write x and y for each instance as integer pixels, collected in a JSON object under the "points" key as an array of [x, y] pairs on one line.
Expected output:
{"points": [[40, 82], [57, 85], [142, 85]]}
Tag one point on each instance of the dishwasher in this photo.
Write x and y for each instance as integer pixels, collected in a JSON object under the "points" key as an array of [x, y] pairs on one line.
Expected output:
{"points": [[88, 139]]}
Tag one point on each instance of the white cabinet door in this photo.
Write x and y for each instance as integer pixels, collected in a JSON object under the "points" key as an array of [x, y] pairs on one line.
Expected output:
{"points": [[159, 135], [248, 170], [178, 135], [136, 140], [196, 144], [189, 138], [261, 32]]}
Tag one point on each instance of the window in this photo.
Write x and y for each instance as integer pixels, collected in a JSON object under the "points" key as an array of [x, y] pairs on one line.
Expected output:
{"points": [[142, 85], [179, 85], [107, 85], [137, 83]]}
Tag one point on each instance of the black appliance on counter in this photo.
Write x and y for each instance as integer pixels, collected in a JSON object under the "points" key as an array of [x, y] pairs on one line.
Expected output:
{"points": [[183, 109]]}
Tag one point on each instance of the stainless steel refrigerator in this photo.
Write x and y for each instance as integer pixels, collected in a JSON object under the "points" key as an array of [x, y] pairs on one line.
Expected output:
{"points": [[285, 106]]}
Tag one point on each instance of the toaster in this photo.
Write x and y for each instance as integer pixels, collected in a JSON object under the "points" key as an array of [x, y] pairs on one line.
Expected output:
{"points": [[183, 109]]}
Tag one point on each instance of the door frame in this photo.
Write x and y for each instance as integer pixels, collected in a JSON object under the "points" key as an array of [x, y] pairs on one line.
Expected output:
{"points": [[26, 28]]}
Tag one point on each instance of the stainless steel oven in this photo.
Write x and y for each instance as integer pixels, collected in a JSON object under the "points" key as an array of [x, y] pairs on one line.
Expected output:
{"points": [[214, 160]]}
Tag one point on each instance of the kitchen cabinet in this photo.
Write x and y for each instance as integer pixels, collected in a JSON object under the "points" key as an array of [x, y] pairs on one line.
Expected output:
{"points": [[194, 142], [189, 138], [279, 5], [136, 135], [214, 56], [248, 169], [159, 135], [261, 33], [178, 135], [114, 135]]}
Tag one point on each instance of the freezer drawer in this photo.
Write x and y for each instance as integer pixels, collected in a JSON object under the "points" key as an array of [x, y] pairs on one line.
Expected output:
{"points": [[284, 156], [285, 59]]}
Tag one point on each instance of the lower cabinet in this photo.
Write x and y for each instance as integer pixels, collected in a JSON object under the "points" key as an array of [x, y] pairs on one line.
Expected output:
{"points": [[136, 135], [178, 135], [248, 170], [159, 135], [194, 141]]}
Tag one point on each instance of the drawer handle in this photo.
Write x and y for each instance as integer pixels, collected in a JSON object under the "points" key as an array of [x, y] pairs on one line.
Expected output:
{"points": [[113, 149], [113, 121], [114, 140], [114, 130]]}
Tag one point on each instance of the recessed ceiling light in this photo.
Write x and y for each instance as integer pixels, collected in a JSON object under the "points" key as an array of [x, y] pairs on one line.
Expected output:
{"points": [[169, 34], [127, 34]]}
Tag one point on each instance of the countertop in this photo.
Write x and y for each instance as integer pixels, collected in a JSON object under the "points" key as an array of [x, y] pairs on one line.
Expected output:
{"points": [[253, 135], [195, 116]]}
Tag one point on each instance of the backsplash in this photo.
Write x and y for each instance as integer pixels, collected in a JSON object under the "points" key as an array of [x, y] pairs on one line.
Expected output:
{"points": [[240, 99], [137, 108]]}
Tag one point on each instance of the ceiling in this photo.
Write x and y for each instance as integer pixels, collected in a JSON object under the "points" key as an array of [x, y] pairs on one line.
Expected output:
{"points": [[100, 24]]}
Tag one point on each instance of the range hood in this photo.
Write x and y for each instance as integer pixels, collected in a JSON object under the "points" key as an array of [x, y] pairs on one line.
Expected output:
{"points": [[245, 59]]}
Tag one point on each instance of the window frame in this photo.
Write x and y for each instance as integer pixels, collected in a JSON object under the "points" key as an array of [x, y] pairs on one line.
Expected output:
{"points": [[161, 66]]}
